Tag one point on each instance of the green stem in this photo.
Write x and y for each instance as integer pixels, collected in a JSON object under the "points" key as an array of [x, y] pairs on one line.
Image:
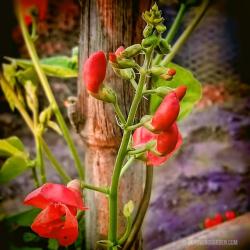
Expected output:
{"points": [[134, 83], [127, 232], [113, 196], [34, 174], [187, 32], [142, 209], [119, 113], [65, 177], [127, 165], [39, 158], [30, 124], [173, 30], [98, 189], [47, 89]]}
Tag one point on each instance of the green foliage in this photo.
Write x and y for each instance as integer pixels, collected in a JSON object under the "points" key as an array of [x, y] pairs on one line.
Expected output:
{"points": [[58, 66], [13, 167], [10, 146], [182, 77], [53, 244], [23, 219], [17, 160]]}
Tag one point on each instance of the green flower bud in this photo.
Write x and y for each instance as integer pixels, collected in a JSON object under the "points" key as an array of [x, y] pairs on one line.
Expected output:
{"points": [[105, 94], [149, 41], [164, 46], [162, 91], [126, 63], [158, 70], [148, 30], [157, 20], [126, 74], [160, 28], [132, 51]]}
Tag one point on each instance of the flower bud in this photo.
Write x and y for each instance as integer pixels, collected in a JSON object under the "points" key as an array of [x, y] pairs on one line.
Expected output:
{"points": [[119, 51], [150, 41], [148, 31], [126, 74], [180, 91], [105, 94], [126, 63], [162, 91], [132, 51], [164, 46], [75, 185], [94, 71], [167, 113], [160, 28]]}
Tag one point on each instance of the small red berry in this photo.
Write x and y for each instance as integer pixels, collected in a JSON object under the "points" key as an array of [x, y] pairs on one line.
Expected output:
{"points": [[208, 223], [218, 218], [230, 215], [180, 91], [167, 112], [171, 72]]}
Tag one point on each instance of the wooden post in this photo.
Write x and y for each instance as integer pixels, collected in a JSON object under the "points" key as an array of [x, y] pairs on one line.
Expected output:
{"points": [[105, 25]]}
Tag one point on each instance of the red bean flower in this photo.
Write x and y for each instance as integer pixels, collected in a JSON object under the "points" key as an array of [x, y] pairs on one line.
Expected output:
{"points": [[29, 6], [180, 92], [113, 56], [167, 143], [167, 112], [94, 71], [59, 206]]}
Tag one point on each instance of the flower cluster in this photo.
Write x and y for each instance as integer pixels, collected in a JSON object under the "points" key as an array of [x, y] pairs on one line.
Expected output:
{"points": [[59, 206], [218, 219], [163, 129], [31, 7]]}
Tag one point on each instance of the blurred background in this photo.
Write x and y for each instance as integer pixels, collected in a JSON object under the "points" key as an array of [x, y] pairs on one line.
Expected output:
{"points": [[211, 172]]}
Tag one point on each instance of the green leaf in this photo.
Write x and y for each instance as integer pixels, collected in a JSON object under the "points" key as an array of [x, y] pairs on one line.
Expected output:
{"points": [[30, 237], [55, 127], [13, 167], [12, 146], [8, 92], [182, 77], [53, 244], [128, 209], [24, 219], [9, 71], [58, 66]]}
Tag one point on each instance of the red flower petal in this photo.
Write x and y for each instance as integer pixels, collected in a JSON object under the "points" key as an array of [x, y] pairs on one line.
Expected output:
{"points": [[181, 91], [50, 192], [167, 139], [69, 232], [142, 136], [119, 50], [57, 222], [154, 160], [94, 71], [167, 112], [49, 221]]}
